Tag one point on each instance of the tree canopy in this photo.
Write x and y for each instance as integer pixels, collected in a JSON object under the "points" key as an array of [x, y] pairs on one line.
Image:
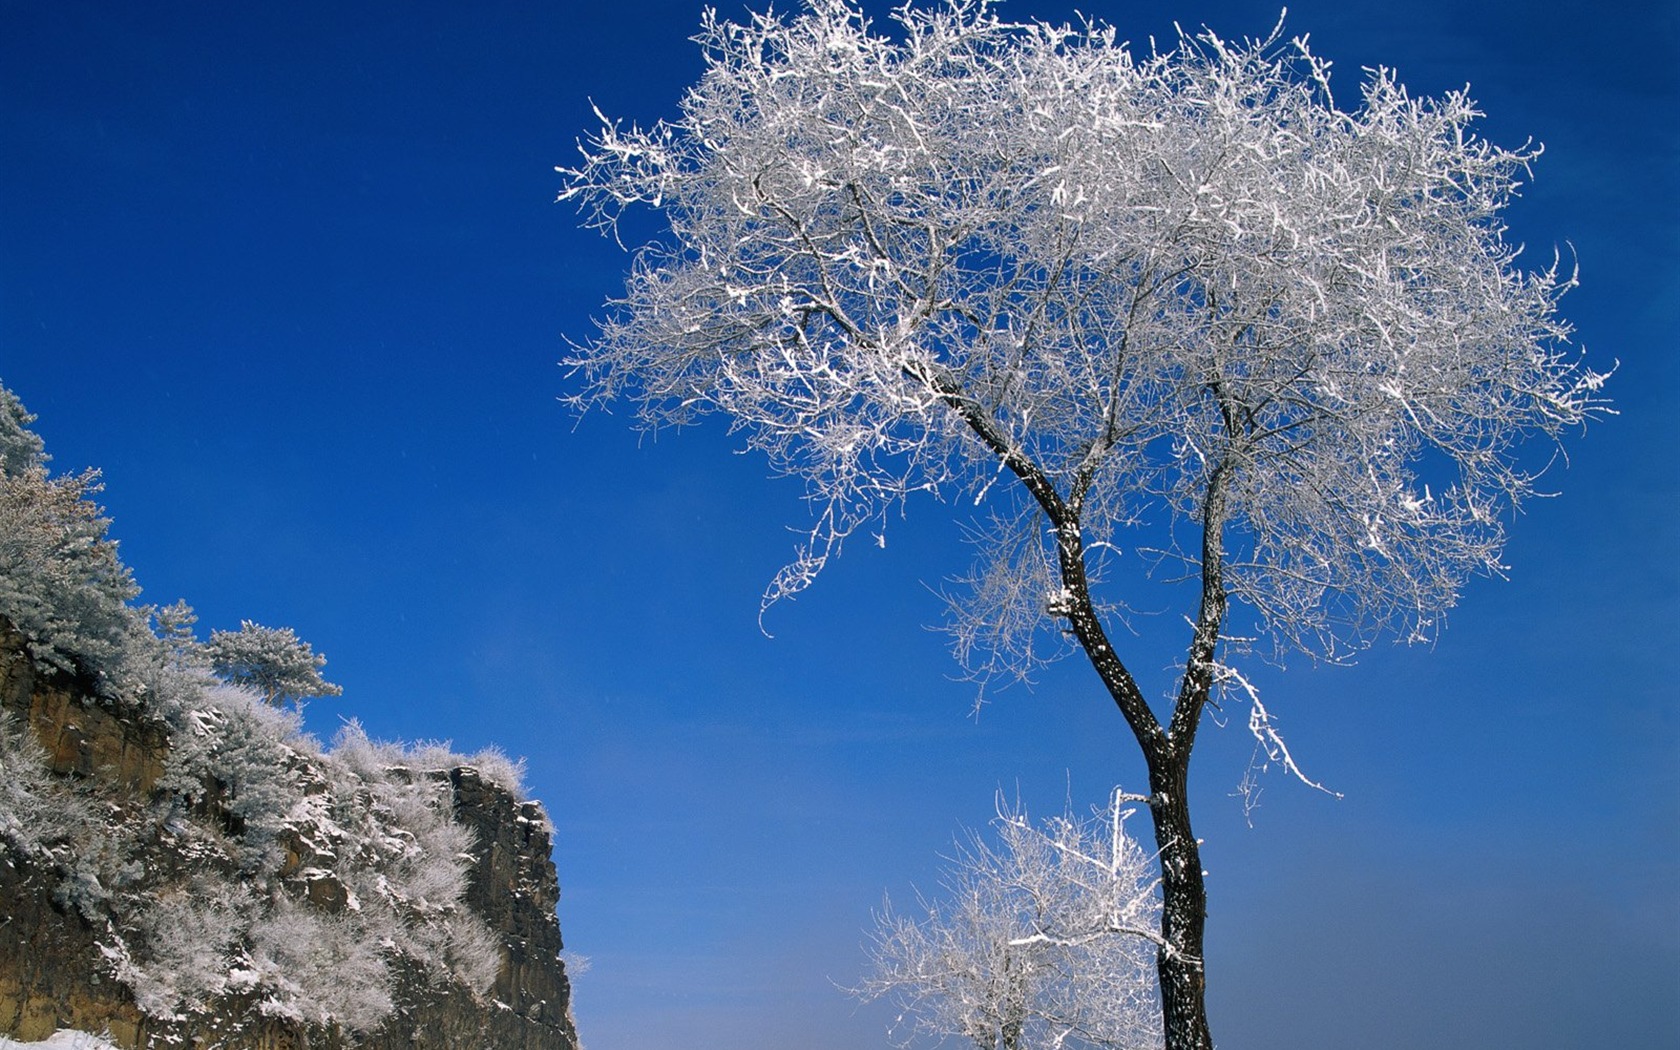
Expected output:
{"points": [[1138, 281]]}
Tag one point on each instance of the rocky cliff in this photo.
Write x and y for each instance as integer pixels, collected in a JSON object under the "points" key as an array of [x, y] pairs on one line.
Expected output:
{"points": [[512, 886], [81, 935]]}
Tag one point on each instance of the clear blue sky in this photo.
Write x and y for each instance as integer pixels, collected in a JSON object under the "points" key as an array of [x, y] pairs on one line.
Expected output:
{"points": [[292, 275]]}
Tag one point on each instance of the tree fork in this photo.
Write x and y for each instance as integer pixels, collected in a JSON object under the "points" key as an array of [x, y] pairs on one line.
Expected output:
{"points": [[1180, 966], [1179, 963]]}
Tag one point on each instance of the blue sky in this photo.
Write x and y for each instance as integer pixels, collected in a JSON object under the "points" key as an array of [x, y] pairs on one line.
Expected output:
{"points": [[292, 275]]}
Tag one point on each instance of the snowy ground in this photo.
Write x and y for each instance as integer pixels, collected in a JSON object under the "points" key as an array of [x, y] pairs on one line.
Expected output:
{"points": [[63, 1039]]}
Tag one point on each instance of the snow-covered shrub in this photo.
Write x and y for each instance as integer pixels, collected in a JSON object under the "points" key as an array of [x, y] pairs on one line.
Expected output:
{"points": [[353, 746], [373, 820], [101, 862], [1045, 936], [37, 809], [461, 948], [62, 825], [411, 854], [501, 769], [273, 816], [189, 941], [316, 968], [244, 753]]}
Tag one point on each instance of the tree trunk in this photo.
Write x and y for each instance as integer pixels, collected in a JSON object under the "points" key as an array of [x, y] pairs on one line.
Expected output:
{"points": [[1184, 908], [1166, 749]]}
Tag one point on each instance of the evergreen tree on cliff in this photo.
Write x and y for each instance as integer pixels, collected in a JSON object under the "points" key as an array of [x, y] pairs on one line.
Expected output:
{"points": [[61, 582], [273, 662], [1180, 307]]}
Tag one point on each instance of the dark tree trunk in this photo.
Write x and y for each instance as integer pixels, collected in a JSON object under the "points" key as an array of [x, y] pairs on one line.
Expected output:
{"points": [[1166, 749], [1183, 911]]}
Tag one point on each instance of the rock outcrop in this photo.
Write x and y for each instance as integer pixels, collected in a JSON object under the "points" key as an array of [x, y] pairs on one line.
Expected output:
{"points": [[56, 961], [513, 887]]}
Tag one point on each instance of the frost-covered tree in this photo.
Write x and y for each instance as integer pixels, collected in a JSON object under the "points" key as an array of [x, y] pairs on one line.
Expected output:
{"points": [[1042, 940], [61, 582], [1176, 319], [273, 661], [20, 448]]}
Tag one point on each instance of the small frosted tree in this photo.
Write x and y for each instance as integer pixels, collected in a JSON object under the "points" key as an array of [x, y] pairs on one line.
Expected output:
{"points": [[1177, 319], [273, 661], [61, 582], [1044, 939]]}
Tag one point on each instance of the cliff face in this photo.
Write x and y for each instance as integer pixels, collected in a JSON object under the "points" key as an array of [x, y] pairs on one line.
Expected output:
{"points": [[50, 966], [512, 886], [62, 961]]}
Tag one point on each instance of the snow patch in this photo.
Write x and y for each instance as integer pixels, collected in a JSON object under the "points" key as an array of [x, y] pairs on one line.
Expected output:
{"points": [[63, 1039]]}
